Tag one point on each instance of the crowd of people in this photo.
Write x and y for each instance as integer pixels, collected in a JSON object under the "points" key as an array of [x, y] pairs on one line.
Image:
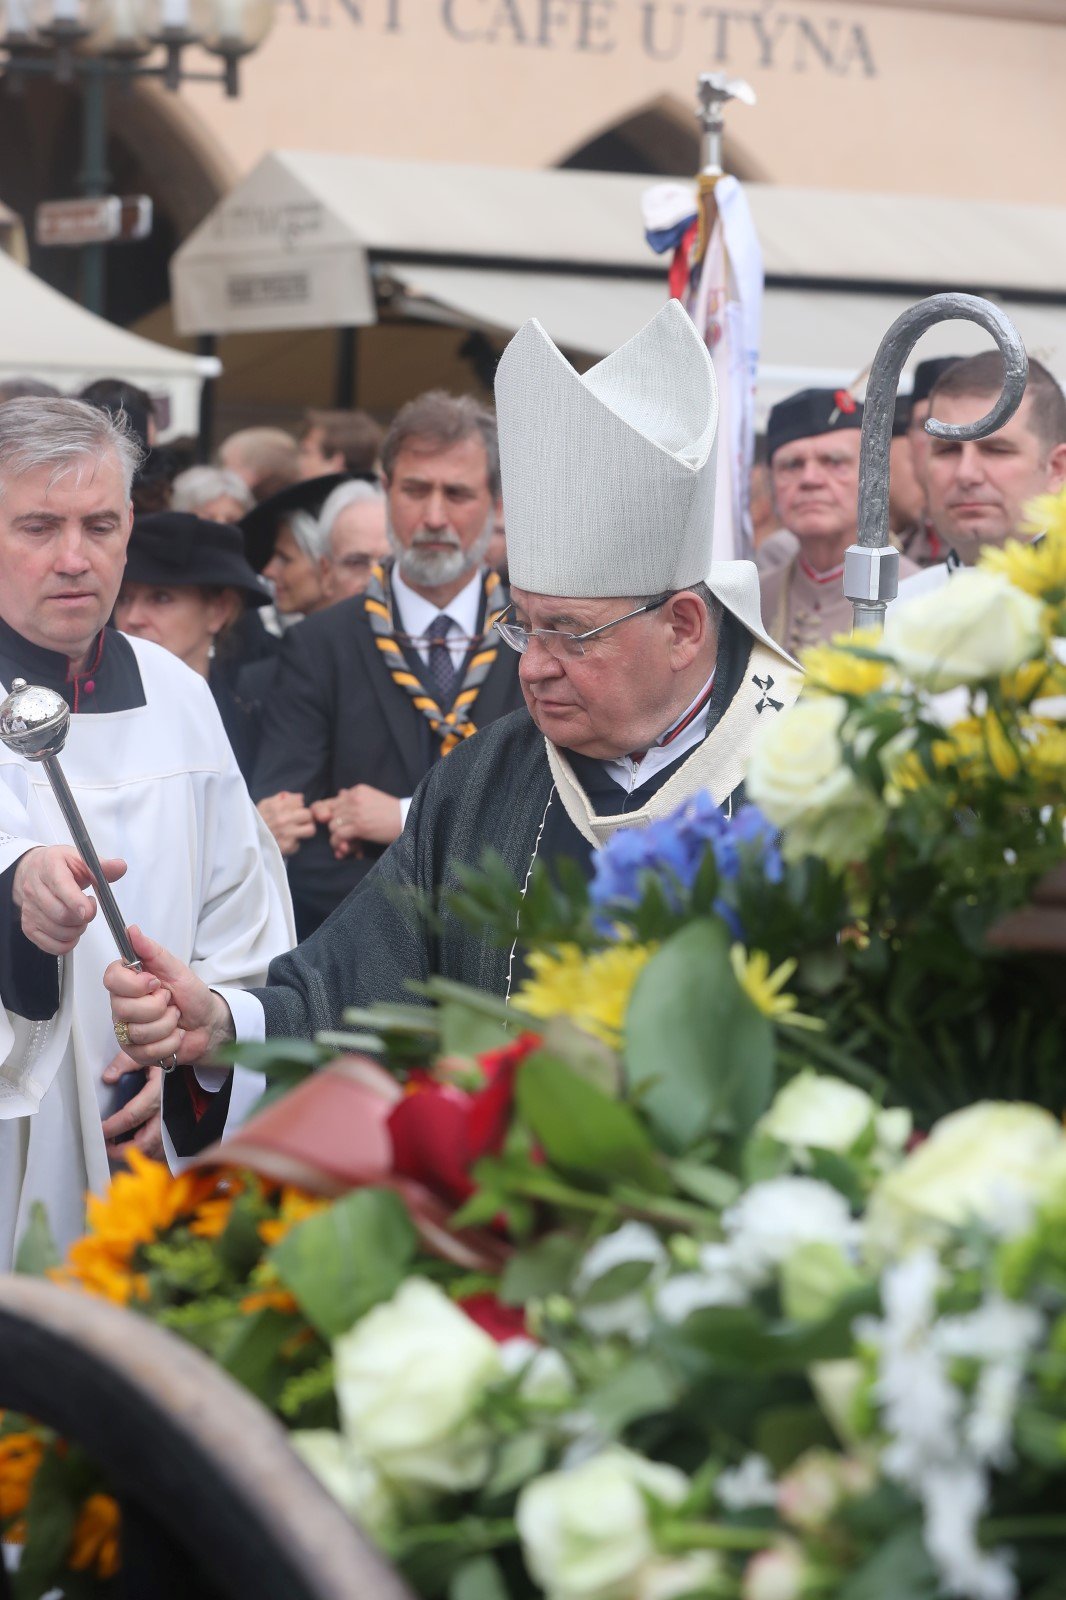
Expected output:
{"points": [[276, 665]]}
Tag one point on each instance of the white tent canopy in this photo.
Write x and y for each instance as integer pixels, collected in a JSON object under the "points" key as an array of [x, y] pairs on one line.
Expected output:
{"points": [[336, 241], [45, 335]]}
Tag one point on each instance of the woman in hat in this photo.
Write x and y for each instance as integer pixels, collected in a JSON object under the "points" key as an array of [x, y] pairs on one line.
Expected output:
{"points": [[187, 582]]}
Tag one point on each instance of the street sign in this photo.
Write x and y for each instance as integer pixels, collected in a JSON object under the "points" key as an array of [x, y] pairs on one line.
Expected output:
{"points": [[106, 219]]}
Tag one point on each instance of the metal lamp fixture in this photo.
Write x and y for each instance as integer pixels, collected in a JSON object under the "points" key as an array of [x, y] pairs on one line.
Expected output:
{"points": [[119, 34]]}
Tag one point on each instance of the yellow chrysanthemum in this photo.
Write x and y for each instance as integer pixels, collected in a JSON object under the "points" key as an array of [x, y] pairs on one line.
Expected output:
{"points": [[764, 988], [1046, 756], [1046, 513], [296, 1206], [1039, 569], [976, 747], [592, 990], [1033, 680], [836, 668], [94, 1542], [21, 1455]]}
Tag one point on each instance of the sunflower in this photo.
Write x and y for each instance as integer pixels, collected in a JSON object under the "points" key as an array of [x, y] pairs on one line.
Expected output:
{"points": [[296, 1206], [94, 1542], [145, 1202], [101, 1269], [751, 968], [843, 667], [593, 991]]}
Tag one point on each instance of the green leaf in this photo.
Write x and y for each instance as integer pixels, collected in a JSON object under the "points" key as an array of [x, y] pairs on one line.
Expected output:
{"points": [[252, 1356], [544, 1268], [478, 1579], [520, 1458], [467, 1031], [901, 1566], [55, 1501], [581, 1128], [696, 1049], [709, 1184], [37, 1252], [342, 1261], [642, 1388]]}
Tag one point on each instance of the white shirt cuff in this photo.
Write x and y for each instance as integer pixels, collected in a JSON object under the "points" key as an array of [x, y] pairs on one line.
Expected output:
{"points": [[249, 1026], [405, 806]]}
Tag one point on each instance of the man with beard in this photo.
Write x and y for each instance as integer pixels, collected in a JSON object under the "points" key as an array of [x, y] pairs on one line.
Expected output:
{"points": [[373, 690]]}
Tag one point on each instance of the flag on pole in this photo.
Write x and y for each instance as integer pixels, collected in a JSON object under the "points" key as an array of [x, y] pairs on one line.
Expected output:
{"points": [[720, 284]]}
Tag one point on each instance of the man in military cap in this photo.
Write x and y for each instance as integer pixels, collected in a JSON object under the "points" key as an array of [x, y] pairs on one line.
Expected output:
{"points": [[645, 669], [813, 445]]}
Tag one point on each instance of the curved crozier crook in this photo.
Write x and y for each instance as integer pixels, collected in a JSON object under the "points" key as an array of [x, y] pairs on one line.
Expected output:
{"points": [[871, 566]]}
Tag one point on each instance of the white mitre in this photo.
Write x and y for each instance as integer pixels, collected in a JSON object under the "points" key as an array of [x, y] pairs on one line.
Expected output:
{"points": [[609, 476]]}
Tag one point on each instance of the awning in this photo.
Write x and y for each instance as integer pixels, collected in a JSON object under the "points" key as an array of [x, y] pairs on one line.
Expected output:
{"points": [[312, 241], [45, 335]]}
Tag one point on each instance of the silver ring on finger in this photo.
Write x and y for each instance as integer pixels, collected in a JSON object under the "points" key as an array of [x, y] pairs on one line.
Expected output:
{"points": [[170, 1064]]}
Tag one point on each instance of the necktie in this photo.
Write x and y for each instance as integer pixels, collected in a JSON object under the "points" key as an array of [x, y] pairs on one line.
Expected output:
{"points": [[441, 669]]}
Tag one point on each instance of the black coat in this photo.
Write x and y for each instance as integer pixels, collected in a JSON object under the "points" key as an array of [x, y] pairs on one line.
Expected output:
{"points": [[335, 718]]}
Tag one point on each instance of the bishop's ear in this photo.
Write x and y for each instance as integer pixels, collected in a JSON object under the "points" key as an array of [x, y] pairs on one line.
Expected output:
{"points": [[691, 630]]}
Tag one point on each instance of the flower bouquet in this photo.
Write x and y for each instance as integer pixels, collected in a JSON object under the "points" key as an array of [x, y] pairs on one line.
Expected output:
{"points": [[726, 1261]]}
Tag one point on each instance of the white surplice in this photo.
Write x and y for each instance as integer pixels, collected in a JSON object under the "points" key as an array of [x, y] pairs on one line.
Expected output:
{"points": [[157, 785]]}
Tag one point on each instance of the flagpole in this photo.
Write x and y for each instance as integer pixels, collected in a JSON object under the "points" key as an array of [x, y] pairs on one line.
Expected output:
{"points": [[871, 566]]}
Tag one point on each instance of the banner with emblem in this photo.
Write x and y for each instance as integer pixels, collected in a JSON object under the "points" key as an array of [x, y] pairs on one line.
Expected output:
{"points": [[721, 287]]}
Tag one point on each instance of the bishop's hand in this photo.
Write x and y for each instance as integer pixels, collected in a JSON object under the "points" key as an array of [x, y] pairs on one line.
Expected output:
{"points": [[167, 1010]]}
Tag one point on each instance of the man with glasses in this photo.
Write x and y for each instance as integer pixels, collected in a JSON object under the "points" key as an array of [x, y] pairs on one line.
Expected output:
{"points": [[813, 447], [645, 671]]}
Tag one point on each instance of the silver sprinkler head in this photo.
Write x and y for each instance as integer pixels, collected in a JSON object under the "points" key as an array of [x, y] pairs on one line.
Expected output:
{"points": [[34, 721]]}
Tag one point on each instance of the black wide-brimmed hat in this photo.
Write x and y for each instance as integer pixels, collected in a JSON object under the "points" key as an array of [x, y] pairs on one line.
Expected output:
{"points": [[927, 374], [809, 413], [176, 550], [260, 525]]}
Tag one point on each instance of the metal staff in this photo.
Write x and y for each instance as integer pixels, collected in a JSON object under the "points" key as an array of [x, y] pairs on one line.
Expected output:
{"points": [[34, 723], [871, 567]]}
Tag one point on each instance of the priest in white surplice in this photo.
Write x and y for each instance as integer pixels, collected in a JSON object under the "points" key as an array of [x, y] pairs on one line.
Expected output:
{"points": [[158, 786]]}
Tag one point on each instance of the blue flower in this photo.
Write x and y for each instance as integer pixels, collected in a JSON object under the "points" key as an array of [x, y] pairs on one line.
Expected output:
{"points": [[674, 849]]}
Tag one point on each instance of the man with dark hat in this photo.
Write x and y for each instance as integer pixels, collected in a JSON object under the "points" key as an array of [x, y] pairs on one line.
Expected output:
{"points": [[813, 445], [372, 691], [186, 584]]}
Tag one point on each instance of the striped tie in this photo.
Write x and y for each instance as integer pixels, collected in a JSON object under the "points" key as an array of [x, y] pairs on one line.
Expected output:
{"points": [[441, 666]]}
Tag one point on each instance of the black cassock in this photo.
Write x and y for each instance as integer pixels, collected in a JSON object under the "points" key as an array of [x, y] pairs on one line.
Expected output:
{"points": [[490, 793]]}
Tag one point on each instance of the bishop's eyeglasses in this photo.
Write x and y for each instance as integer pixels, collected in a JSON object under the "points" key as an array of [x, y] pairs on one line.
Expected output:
{"points": [[565, 644]]}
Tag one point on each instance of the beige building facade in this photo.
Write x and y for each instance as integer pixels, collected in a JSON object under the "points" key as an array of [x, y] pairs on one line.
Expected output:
{"points": [[959, 99]]}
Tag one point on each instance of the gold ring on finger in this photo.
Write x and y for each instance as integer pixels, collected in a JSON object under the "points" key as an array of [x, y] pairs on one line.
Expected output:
{"points": [[122, 1034]]}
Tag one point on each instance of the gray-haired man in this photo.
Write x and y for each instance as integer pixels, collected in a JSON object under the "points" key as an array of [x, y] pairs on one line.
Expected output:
{"points": [[154, 776], [353, 527]]}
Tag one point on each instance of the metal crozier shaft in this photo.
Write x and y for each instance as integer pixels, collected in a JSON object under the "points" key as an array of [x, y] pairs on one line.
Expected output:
{"points": [[34, 723], [871, 566]]}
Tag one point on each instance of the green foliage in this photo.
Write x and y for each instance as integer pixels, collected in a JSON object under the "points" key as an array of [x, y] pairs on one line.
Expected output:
{"points": [[346, 1259], [697, 1053]]}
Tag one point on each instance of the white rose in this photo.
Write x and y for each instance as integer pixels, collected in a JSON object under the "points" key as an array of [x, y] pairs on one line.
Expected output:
{"points": [[585, 1533], [634, 1244], [988, 1163], [977, 627], [409, 1378], [817, 1112], [349, 1478], [666, 1579], [799, 778]]}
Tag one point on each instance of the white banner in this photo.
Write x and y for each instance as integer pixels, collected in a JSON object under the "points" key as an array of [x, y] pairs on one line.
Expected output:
{"points": [[727, 309]]}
